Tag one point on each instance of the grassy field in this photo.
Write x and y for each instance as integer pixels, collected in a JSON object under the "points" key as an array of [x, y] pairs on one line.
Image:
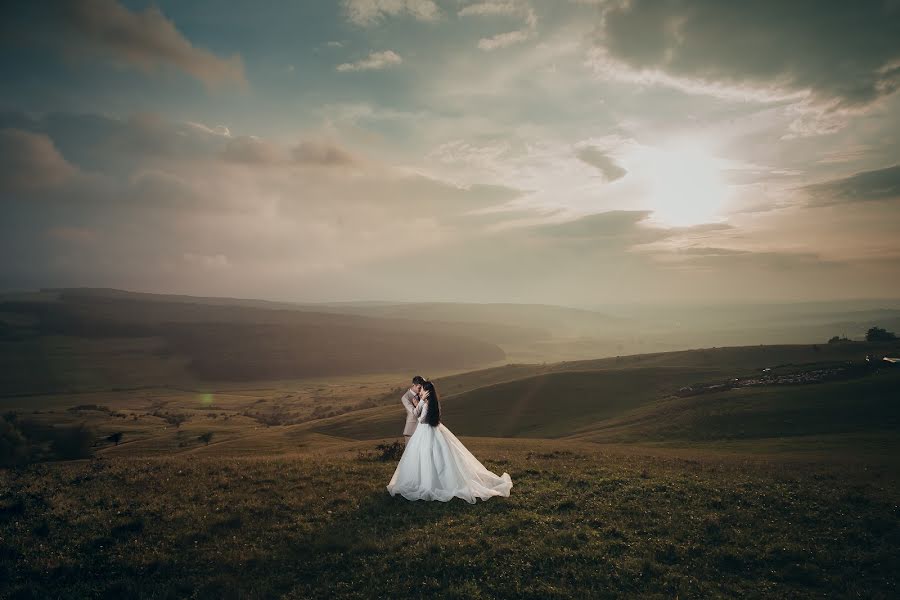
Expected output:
{"points": [[776, 490], [583, 520], [866, 405], [630, 398]]}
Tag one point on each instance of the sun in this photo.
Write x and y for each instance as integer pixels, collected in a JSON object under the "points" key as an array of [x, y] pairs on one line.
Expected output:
{"points": [[686, 186]]}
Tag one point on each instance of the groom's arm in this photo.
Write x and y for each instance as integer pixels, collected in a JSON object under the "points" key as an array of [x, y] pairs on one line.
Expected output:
{"points": [[406, 399]]}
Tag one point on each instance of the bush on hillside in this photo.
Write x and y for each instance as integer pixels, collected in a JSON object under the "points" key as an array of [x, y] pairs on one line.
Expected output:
{"points": [[67, 443], [23, 442], [877, 334], [13, 445]]}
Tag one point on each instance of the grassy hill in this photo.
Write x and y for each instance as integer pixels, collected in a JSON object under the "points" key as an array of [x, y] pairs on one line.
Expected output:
{"points": [[865, 406], [582, 520], [85, 341], [657, 484], [546, 405], [629, 399], [525, 333], [565, 399]]}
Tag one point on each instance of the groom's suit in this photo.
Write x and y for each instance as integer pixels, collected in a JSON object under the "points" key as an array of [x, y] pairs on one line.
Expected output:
{"points": [[412, 411]]}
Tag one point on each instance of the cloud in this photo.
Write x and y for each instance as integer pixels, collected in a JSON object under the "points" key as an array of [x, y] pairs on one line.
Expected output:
{"points": [[597, 158], [845, 55], [502, 40], [73, 235], [375, 61], [323, 153], [175, 215], [775, 261], [217, 130], [490, 8], [370, 12], [509, 38], [878, 184], [253, 150], [30, 161], [710, 251], [146, 40], [624, 227], [217, 261]]}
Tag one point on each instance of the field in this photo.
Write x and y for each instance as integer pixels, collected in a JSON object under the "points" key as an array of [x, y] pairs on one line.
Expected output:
{"points": [[583, 520], [744, 471]]}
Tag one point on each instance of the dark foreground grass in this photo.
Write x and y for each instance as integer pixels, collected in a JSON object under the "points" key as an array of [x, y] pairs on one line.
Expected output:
{"points": [[582, 521]]}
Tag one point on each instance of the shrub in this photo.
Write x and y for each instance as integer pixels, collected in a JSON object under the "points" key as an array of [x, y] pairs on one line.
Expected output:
{"points": [[96, 407], [13, 445], [390, 451], [174, 419], [69, 443], [877, 334]]}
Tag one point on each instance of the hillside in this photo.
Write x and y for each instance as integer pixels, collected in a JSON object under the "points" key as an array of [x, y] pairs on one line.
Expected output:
{"points": [[661, 481], [547, 405], [537, 333], [582, 520], [79, 341], [863, 407], [572, 398]]}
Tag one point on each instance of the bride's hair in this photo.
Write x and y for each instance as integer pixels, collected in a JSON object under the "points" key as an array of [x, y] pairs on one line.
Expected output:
{"points": [[433, 416]]}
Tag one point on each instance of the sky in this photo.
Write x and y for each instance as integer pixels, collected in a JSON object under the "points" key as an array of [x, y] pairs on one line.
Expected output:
{"points": [[572, 152]]}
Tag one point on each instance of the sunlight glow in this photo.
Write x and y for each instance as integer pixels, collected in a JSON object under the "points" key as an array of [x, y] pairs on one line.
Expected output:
{"points": [[686, 186]]}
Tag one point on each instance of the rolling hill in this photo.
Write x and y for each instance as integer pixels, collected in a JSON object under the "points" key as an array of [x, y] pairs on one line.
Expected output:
{"points": [[89, 341], [806, 391]]}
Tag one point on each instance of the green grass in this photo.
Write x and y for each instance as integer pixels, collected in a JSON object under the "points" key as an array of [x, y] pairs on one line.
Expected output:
{"points": [[546, 405], [582, 521], [771, 491], [868, 405], [632, 402]]}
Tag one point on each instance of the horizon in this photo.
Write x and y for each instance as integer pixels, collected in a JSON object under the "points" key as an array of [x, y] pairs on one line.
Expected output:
{"points": [[581, 154], [587, 308]]}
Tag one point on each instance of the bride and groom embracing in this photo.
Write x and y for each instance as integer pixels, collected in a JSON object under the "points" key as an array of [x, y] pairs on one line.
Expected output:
{"points": [[435, 465]]}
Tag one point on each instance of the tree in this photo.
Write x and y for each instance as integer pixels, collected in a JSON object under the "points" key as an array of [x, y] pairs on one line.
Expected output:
{"points": [[175, 419], [206, 437], [115, 438], [877, 334]]}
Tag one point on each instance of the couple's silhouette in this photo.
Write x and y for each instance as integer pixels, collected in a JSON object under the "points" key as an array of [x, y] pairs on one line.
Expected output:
{"points": [[435, 465]]}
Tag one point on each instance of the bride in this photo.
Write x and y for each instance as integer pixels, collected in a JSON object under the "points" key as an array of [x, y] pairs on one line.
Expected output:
{"points": [[436, 466]]}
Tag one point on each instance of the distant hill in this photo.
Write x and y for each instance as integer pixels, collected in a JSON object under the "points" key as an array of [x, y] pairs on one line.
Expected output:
{"points": [[555, 321], [547, 333], [635, 398], [91, 341], [97, 338]]}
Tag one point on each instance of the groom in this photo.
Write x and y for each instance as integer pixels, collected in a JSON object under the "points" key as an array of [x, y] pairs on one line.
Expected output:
{"points": [[410, 402]]}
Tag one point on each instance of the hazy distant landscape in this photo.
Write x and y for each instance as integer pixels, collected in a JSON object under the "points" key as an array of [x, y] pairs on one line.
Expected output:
{"points": [[85, 339], [251, 440]]}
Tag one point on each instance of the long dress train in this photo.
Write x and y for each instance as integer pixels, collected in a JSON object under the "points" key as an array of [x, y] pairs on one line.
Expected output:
{"points": [[436, 466]]}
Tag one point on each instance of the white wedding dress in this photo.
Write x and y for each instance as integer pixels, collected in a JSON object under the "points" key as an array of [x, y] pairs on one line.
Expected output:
{"points": [[436, 466]]}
